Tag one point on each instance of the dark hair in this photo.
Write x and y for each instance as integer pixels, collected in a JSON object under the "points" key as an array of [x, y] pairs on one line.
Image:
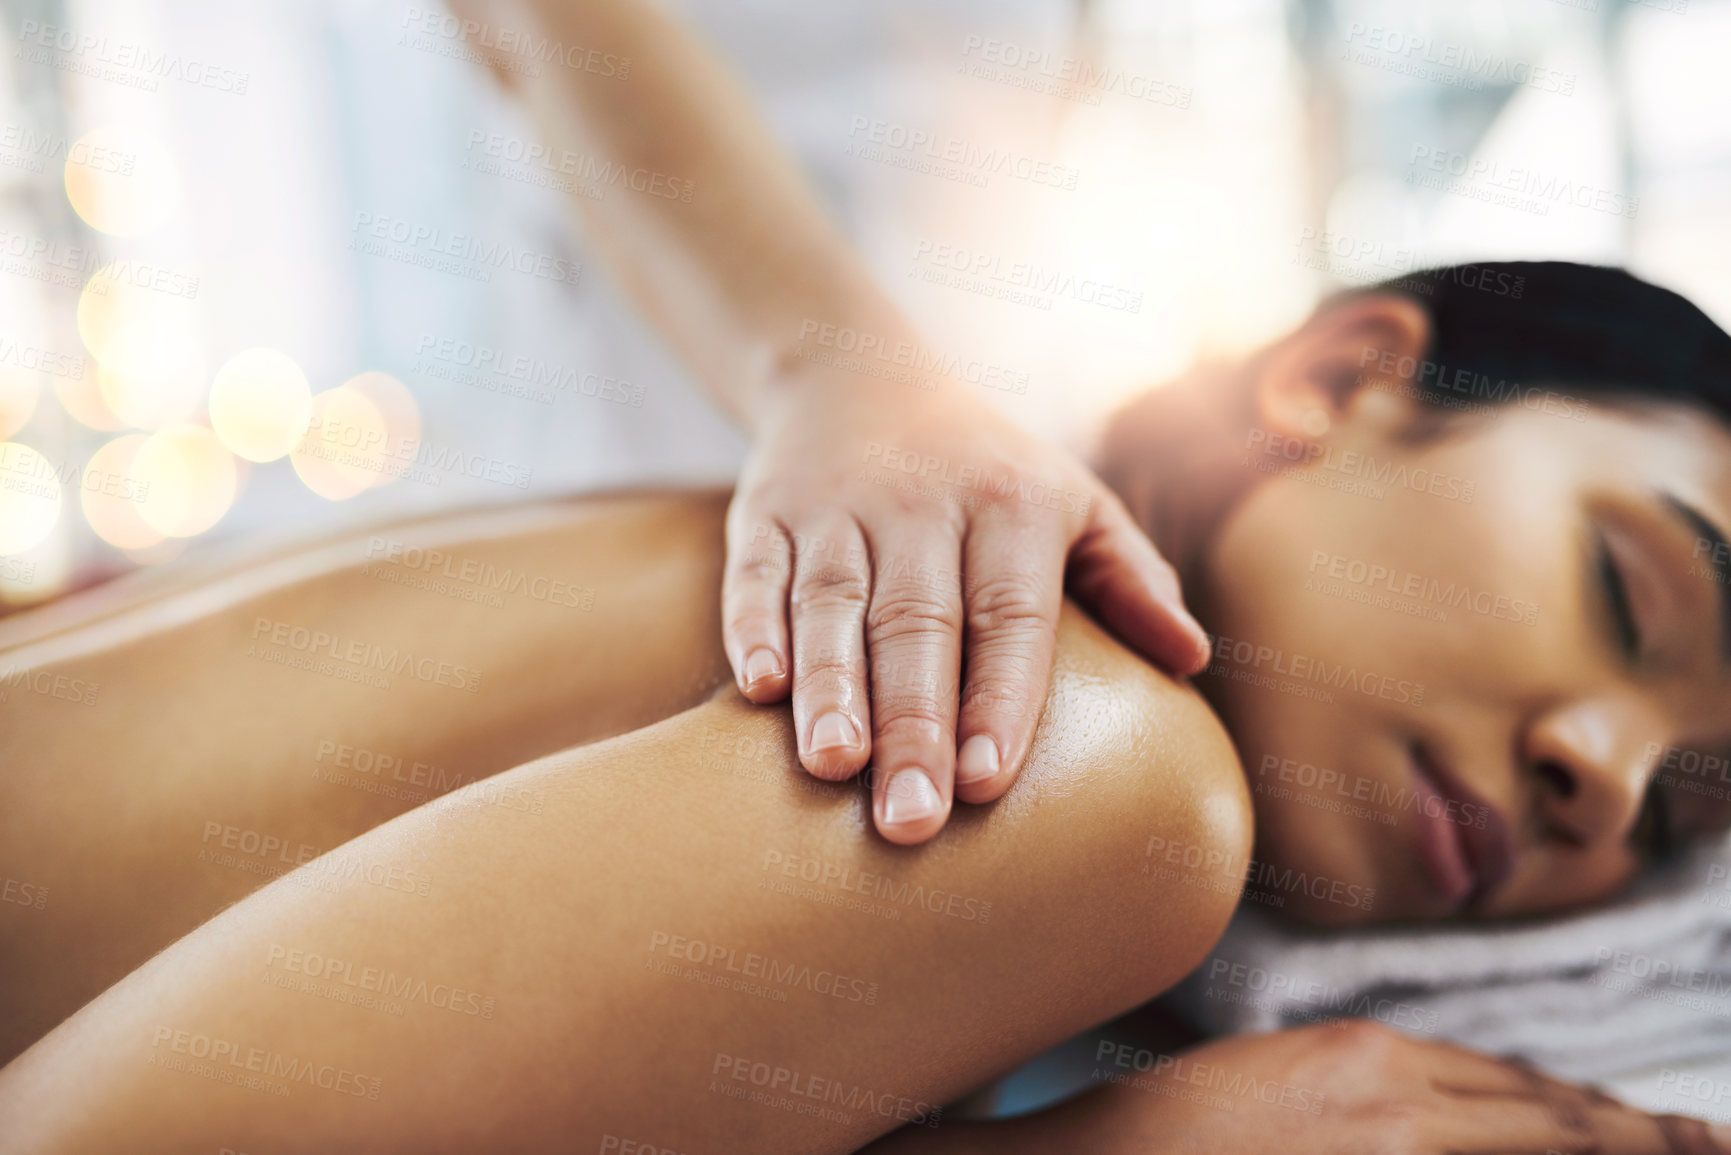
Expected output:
{"points": [[1501, 332], [1581, 329]]}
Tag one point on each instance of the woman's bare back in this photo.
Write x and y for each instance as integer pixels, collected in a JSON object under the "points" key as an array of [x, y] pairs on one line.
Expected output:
{"points": [[646, 919]]}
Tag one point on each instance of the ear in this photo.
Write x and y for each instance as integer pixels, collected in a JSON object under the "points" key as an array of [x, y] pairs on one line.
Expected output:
{"points": [[1333, 375]]}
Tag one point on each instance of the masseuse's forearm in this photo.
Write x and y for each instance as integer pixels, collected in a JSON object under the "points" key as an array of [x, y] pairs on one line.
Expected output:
{"points": [[723, 246]]}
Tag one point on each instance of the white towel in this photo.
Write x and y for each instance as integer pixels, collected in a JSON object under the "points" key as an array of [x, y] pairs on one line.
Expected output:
{"points": [[1641, 983]]}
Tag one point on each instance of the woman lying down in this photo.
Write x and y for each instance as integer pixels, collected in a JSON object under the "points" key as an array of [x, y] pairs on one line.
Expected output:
{"points": [[343, 856], [636, 919]]}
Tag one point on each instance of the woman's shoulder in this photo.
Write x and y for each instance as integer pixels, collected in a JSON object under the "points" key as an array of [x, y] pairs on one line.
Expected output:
{"points": [[1152, 766], [1105, 697]]}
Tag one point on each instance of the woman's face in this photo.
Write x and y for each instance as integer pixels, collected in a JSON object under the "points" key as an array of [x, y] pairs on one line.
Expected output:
{"points": [[1479, 675]]}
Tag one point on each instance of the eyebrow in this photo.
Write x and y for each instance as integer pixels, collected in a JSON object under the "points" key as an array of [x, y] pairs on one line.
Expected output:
{"points": [[1718, 560]]}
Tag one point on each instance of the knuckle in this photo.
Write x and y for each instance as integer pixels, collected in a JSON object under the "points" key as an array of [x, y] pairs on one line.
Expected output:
{"points": [[904, 610], [910, 675], [1004, 476], [753, 566], [752, 616], [831, 586], [753, 625], [828, 670], [1005, 691], [750, 522], [819, 688], [1013, 505], [1007, 602], [828, 655], [920, 714]]}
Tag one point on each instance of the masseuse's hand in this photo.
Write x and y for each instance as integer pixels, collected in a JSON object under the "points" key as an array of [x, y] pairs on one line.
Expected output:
{"points": [[896, 559], [1360, 1087]]}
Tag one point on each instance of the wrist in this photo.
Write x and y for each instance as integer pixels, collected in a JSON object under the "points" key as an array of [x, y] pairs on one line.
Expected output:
{"points": [[843, 372], [861, 351]]}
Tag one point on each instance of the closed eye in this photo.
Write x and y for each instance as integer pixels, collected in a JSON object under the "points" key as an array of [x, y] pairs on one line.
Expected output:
{"points": [[1654, 834], [1622, 616]]}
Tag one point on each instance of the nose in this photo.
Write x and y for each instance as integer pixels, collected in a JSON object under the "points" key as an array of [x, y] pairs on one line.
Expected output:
{"points": [[1591, 759]]}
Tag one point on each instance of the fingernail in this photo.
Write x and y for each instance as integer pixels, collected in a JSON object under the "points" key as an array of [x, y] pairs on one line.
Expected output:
{"points": [[977, 760], [760, 664], [1721, 1133], [910, 797], [832, 730]]}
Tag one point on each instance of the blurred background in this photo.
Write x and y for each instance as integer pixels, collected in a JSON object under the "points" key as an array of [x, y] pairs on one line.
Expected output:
{"points": [[272, 268]]}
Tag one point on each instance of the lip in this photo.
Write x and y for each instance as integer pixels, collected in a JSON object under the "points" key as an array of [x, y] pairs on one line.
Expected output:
{"points": [[1464, 860]]}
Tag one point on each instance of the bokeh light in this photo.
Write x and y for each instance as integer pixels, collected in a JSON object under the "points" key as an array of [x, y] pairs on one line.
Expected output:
{"points": [[25, 366], [81, 397], [258, 404], [364, 433], [29, 497], [38, 573], [112, 495], [121, 181], [147, 343], [19, 393], [402, 417], [343, 430], [192, 480]]}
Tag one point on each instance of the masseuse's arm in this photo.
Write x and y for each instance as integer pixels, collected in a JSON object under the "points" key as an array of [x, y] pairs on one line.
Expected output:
{"points": [[874, 517]]}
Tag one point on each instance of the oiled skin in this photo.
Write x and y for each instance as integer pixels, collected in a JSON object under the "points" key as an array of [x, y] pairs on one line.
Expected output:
{"points": [[553, 888], [106, 806]]}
